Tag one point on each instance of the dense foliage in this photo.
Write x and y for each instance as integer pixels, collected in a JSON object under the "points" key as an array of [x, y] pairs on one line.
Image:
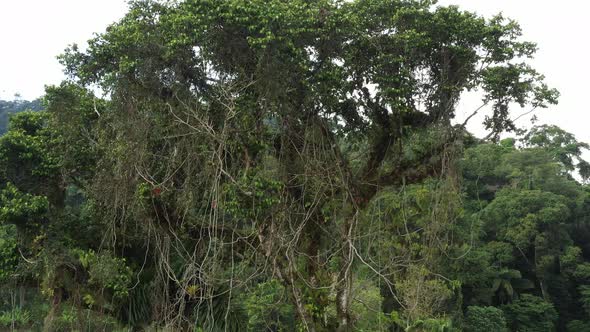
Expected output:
{"points": [[293, 165], [7, 108]]}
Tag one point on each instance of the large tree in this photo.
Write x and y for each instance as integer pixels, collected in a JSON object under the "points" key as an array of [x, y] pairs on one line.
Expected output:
{"points": [[250, 140]]}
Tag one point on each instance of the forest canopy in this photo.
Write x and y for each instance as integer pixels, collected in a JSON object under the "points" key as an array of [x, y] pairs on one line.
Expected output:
{"points": [[294, 166], [10, 107]]}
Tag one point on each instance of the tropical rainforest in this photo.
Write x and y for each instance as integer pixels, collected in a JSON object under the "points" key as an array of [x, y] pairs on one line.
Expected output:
{"points": [[272, 165], [10, 107]]}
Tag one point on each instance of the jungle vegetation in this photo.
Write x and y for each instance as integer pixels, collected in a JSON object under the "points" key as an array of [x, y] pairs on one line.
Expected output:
{"points": [[10, 107], [231, 165]]}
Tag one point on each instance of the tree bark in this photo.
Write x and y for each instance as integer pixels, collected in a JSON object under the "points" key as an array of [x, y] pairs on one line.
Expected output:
{"points": [[345, 280]]}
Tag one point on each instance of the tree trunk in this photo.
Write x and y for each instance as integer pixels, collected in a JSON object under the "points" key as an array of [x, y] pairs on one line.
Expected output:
{"points": [[344, 287], [286, 276], [48, 322]]}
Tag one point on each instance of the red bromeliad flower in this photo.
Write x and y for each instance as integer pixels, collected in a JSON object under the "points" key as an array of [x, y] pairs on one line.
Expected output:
{"points": [[157, 191]]}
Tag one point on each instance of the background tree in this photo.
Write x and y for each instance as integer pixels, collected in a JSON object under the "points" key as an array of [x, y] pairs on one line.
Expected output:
{"points": [[9, 107]]}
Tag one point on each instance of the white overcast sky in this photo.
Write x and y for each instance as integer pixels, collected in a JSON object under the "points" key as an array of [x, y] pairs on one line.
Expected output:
{"points": [[34, 32]]}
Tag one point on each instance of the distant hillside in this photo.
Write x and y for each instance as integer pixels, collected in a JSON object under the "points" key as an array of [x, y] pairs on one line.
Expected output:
{"points": [[14, 106]]}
